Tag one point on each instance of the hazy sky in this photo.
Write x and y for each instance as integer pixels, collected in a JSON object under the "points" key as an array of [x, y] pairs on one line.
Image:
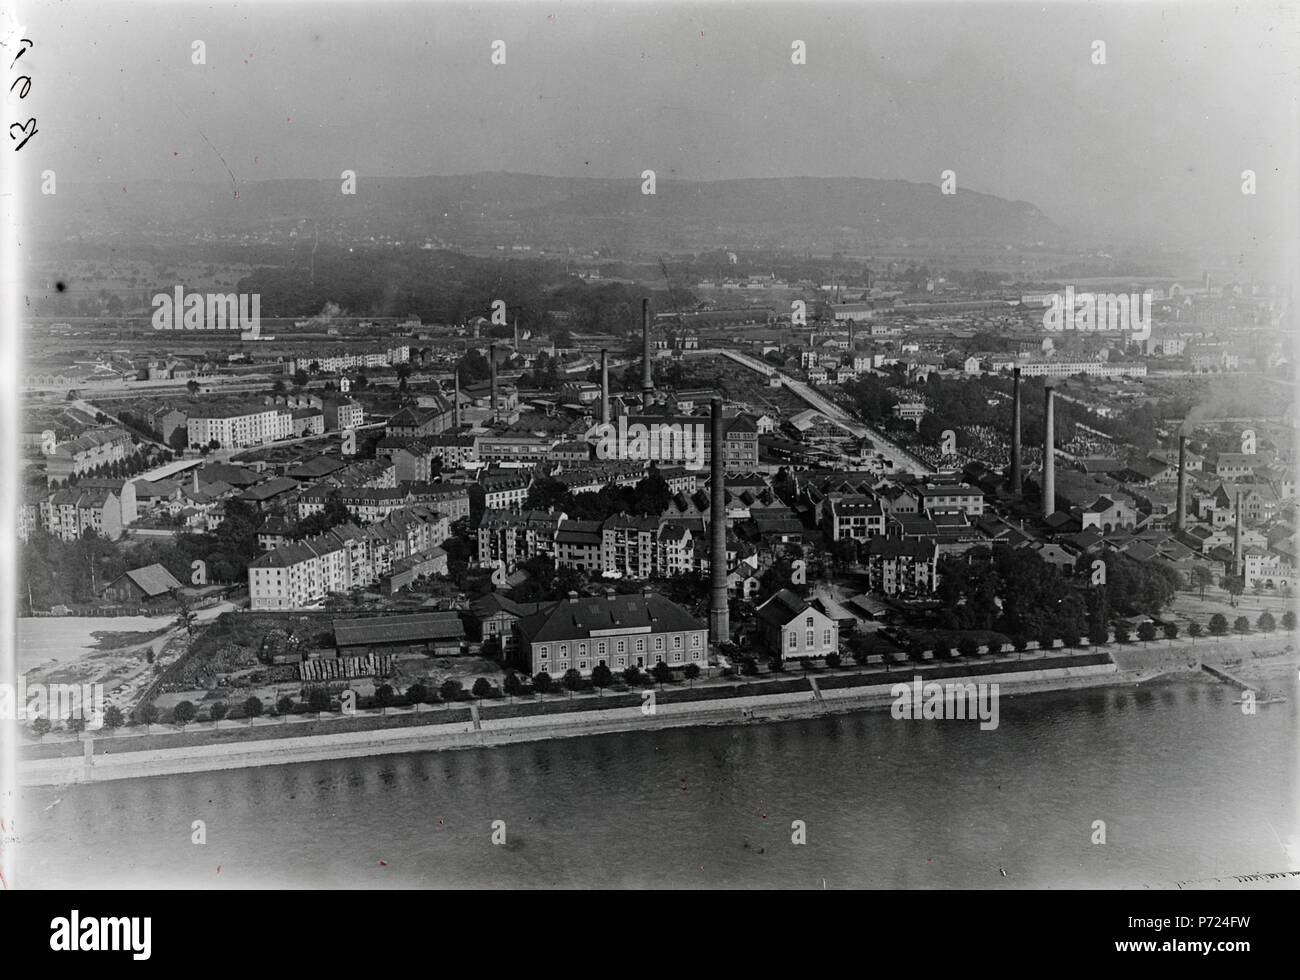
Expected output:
{"points": [[1006, 95]]}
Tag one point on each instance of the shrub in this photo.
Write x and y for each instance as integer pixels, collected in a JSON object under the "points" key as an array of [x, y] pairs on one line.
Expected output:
{"points": [[218, 710], [1171, 630], [482, 688], [1218, 624], [1121, 633], [253, 708], [832, 660], [1241, 624], [541, 683], [967, 647], [1194, 629], [113, 717], [1266, 623], [1147, 631], [450, 689]]}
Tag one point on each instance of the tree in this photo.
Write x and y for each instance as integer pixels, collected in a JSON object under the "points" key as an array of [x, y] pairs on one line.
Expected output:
{"points": [[1098, 634], [749, 667], [1194, 630], [300, 378], [1202, 577], [1288, 620], [1020, 643], [632, 676], [284, 704], [602, 677], [253, 708], [41, 727], [76, 724], [1171, 630], [513, 685], [967, 647], [775, 664], [940, 650], [482, 688], [1218, 624], [662, 673], [1266, 623], [147, 713], [113, 717], [1121, 633], [384, 695], [692, 671], [1241, 624], [833, 661], [318, 699], [184, 713], [450, 689], [572, 680], [218, 710], [1234, 585], [542, 682], [193, 386], [1147, 631], [417, 693]]}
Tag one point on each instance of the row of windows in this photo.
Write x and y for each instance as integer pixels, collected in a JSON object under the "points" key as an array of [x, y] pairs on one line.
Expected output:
{"points": [[620, 662], [810, 637], [620, 646]]}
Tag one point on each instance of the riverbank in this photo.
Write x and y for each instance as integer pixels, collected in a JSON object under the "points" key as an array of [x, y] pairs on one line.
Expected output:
{"points": [[478, 732]]}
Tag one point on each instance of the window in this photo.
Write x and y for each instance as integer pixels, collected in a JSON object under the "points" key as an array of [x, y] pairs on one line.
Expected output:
{"points": [[600, 648], [582, 665], [794, 640], [562, 665], [808, 621], [677, 642], [695, 654], [582, 649], [622, 661], [545, 652], [659, 658], [811, 634], [677, 657], [640, 646], [826, 638], [564, 649], [622, 646], [695, 640]]}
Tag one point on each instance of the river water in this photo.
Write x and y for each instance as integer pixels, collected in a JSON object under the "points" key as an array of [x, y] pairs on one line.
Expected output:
{"points": [[1187, 786]]}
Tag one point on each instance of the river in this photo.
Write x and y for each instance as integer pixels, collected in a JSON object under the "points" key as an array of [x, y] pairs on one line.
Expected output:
{"points": [[1187, 786]]}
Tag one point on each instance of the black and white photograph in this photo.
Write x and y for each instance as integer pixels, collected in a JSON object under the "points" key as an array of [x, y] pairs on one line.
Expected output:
{"points": [[650, 446]]}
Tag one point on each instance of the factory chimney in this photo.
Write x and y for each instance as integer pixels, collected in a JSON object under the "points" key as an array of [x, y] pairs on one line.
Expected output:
{"points": [[516, 333], [456, 405], [492, 364], [1049, 456], [719, 615], [1016, 487], [1236, 545], [1180, 505], [647, 379], [604, 386]]}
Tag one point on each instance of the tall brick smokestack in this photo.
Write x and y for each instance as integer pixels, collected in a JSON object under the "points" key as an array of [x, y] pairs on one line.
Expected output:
{"points": [[1049, 456], [719, 615], [1016, 482], [456, 407], [1180, 505], [492, 363], [647, 379], [604, 386], [1236, 544]]}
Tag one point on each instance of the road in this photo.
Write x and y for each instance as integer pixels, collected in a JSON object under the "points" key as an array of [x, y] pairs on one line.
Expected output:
{"points": [[901, 461]]}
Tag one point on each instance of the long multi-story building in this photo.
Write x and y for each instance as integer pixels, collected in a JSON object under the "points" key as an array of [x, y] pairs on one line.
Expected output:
{"points": [[98, 447], [1093, 369], [68, 514], [618, 631], [511, 537], [237, 426], [303, 573]]}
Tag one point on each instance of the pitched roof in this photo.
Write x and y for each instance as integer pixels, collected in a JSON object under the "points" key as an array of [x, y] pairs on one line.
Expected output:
{"points": [[154, 580], [580, 618], [781, 608], [398, 629]]}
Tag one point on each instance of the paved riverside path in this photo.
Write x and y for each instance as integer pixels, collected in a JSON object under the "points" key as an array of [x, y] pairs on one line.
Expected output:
{"points": [[529, 728]]}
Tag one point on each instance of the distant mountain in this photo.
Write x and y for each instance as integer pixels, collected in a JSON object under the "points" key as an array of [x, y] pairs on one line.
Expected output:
{"points": [[547, 212]]}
